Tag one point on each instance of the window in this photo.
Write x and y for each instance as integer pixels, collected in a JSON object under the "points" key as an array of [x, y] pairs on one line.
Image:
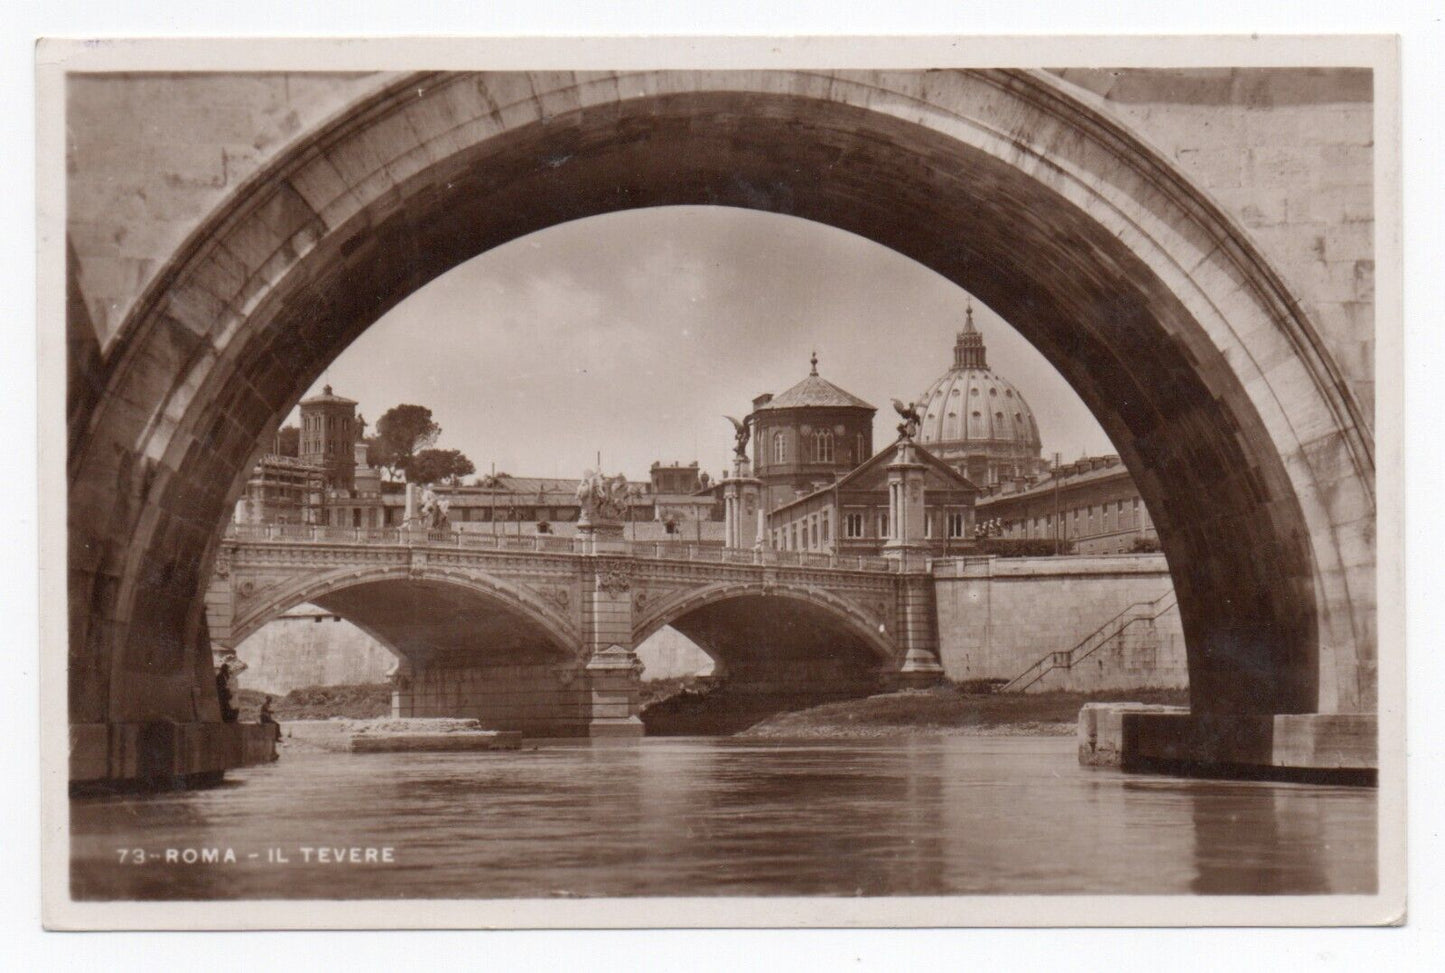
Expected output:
{"points": [[823, 446], [955, 523], [826, 538], [780, 448], [815, 532], [883, 524], [860, 456], [853, 525]]}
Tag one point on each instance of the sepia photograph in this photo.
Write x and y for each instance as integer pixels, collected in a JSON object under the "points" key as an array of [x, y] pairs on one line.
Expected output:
{"points": [[531, 484]]}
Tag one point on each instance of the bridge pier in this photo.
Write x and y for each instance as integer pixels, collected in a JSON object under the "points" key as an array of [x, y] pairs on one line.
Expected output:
{"points": [[918, 634], [538, 699], [613, 672]]}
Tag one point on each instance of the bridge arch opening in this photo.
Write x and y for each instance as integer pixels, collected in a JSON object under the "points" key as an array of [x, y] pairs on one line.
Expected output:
{"points": [[773, 649], [1242, 437], [424, 621], [466, 646]]}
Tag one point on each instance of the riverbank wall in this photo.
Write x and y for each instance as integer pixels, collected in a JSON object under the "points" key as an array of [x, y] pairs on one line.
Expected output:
{"points": [[1066, 624]]}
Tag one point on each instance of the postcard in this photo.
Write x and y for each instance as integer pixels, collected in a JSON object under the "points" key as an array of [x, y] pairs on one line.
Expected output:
{"points": [[745, 482]]}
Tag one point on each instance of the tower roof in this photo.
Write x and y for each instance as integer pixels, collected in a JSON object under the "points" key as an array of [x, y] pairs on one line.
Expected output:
{"points": [[327, 397], [814, 392]]}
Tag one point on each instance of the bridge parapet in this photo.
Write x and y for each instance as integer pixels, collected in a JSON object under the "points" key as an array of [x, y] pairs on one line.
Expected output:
{"points": [[543, 543]]}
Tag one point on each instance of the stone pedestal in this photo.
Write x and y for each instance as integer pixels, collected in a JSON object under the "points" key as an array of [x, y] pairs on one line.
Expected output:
{"points": [[164, 755], [1324, 747], [599, 536], [743, 508], [918, 632], [403, 699], [614, 675]]}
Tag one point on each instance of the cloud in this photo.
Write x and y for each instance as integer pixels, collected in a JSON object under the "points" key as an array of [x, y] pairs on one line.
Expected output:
{"points": [[633, 333]]}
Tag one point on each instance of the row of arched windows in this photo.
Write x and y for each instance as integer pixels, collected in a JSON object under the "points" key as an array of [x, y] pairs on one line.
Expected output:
{"points": [[822, 445]]}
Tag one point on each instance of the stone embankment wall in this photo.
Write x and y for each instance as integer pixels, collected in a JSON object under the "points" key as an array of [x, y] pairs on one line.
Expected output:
{"points": [[310, 647], [998, 616]]}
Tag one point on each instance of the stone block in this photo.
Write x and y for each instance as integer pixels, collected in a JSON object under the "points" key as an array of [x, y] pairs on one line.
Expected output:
{"points": [[626, 728], [89, 751], [1305, 745]]}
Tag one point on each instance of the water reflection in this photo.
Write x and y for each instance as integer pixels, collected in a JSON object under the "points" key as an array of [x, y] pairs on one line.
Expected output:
{"points": [[729, 817]]}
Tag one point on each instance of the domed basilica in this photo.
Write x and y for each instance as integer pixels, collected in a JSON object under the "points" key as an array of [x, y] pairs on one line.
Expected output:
{"points": [[976, 421]]}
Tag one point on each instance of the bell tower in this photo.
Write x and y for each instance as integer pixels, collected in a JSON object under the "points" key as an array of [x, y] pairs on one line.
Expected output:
{"points": [[329, 430]]}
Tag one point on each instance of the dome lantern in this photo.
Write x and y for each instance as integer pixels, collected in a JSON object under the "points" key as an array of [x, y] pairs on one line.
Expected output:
{"points": [[968, 349]]}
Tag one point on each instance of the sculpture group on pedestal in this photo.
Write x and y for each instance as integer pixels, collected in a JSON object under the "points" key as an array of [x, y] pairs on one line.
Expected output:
{"points": [[603, 498]]}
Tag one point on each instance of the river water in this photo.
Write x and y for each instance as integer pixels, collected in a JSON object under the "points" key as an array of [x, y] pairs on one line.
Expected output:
{"points": [[690, 817]]}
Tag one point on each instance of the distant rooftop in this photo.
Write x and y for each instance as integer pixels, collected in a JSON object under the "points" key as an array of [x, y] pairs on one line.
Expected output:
{"points": [[327, 396], [815, 391]]}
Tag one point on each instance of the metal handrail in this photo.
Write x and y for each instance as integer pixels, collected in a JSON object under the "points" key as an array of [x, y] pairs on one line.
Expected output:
{"points": [[1069, 658]]}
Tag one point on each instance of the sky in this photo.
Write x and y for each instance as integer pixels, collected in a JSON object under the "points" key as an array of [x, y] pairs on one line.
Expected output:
{"points": [[633, 334]]}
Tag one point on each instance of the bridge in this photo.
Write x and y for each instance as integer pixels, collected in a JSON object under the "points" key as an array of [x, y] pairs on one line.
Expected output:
{"points": [[1224, 343], [538, 633]]}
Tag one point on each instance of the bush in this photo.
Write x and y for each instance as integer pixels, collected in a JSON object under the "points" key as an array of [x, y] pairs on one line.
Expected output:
{"points": [[975, 687], [1024, 547]]}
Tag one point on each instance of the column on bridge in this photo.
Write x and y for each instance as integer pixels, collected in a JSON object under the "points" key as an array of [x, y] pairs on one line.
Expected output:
{"points": [[905, 504], [742, 507], [916, 624], [613, 671]]}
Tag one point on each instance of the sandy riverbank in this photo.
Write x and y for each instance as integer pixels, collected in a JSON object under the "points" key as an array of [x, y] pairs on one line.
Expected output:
{"points": [[943, 711]]}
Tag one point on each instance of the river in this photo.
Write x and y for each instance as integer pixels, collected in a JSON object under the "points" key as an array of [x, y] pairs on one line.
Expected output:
{"points": [[692, 817]]}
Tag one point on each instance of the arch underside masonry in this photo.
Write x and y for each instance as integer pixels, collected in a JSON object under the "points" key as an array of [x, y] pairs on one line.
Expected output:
{"points": [[419, 614], [782, 638], [1238, 428]]}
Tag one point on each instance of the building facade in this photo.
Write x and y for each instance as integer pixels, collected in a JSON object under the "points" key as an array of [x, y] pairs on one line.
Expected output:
{"points": [[807, 437], [1087, 507], [853, 516], [822, 489], [333, 484], [330, 429]]}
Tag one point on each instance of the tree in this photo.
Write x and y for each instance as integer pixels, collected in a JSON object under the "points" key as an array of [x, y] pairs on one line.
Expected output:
{"points": [[401, 433], [288, 441], [437, 465]]}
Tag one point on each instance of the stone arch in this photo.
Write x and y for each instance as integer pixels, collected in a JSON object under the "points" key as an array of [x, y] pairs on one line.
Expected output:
{"points": [[770, 639], [847, 615], [312, 589], [1157, 307]]}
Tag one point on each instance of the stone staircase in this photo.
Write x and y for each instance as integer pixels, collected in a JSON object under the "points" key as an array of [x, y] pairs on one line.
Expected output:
{"points": [[1106, 634]]}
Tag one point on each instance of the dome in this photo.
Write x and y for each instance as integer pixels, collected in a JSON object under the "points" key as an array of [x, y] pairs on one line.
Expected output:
{"points": [[973, 411]]}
